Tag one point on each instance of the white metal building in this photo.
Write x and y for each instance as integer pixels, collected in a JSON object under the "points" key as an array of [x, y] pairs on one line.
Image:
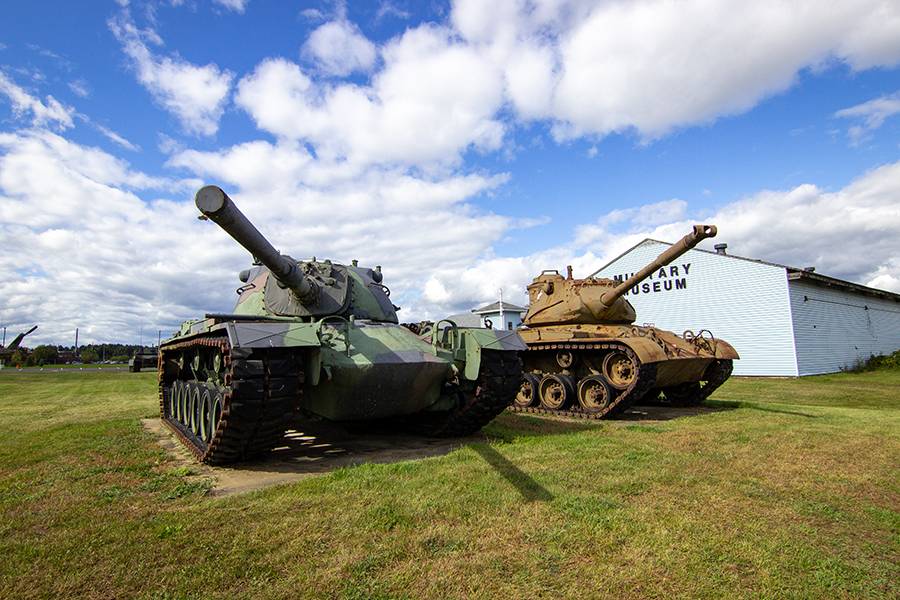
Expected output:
{"points": [[783, 321]]}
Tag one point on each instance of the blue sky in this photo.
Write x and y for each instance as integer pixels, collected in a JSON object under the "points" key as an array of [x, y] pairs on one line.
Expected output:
{"points": [[465, 146]]}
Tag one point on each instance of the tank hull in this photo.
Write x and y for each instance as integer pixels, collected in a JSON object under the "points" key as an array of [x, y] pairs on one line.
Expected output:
{"points": [[633, 363], [230, 389]]}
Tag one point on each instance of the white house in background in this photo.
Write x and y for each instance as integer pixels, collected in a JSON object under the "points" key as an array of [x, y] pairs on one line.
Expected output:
{"points": [[502, 315], [782, 320], [479, 317]]}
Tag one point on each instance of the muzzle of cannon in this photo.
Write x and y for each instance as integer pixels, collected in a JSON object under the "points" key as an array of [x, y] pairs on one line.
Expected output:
{"points": [[216, 206]]}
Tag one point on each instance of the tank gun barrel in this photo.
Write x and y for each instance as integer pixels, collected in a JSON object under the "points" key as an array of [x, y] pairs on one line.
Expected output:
{"points": [[18, 339], [700, 233], [215, 204]]}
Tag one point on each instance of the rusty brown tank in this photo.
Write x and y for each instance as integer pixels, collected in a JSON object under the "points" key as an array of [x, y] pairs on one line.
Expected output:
{"points": [[587, 358]]}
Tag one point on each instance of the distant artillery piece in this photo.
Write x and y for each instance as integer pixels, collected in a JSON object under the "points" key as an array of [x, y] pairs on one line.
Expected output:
{"points": [[6, 352]]}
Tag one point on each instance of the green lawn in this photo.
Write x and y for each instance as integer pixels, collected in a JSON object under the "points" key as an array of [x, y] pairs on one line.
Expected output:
{"points": [[791, 490]]}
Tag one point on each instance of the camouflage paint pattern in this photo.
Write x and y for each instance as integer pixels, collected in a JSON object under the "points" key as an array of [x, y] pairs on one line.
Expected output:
{"points": [[360, 363]]}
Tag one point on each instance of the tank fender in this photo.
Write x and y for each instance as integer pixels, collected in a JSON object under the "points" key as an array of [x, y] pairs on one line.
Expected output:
{"points": [[477, 339], [271, 334], [724, 350], [646, 349]]}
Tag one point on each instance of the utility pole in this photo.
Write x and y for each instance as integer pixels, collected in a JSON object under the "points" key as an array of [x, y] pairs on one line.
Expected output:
{"points": [[4, 336], [142, 337], [76, 342], [502, 321], [158, 337]]}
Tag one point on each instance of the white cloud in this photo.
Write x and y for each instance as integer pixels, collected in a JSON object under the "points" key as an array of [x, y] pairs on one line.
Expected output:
{"points": [[339, 48], [107, 260], [235, 5], [386, 8], [116, 138], [432, 100], [588, 68], [804, 226], [655, 65], [371, 170], [872, 115], [80, 88], [48, 112], [195, 95]]}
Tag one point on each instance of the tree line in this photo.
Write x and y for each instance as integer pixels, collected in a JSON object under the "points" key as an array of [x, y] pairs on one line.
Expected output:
{"points": [[89, 353]]}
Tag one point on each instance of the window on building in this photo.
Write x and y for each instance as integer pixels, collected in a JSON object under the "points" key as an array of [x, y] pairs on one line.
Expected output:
{"points": [[509, 325]]}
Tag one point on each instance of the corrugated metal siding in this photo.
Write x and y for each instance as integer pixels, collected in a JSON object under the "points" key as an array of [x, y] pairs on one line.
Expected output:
{"points": [[833, 330], [743, 302]]}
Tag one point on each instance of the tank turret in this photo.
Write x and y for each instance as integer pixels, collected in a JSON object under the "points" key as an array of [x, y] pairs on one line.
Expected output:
{"points": [[555, 299], [282, 286]]}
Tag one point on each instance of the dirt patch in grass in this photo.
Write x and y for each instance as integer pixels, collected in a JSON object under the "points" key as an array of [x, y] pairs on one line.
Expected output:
{"points": [[305, 454]]}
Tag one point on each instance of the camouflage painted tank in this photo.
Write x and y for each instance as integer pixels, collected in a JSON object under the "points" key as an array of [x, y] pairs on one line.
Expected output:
{"points": [[322, 340], [586, 358]]}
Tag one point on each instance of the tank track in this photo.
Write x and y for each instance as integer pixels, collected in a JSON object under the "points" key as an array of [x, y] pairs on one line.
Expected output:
{"points": [[258, 392], [694, 394], [640, 387], [480, 401]]}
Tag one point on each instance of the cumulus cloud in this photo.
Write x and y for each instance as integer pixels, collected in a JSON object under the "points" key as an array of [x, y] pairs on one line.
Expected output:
{"points": [[803, 226], [654, 65], [49, 112], [339, 48], [96, 255], [871, 114], [432, 100], [373, 168], [108, 260], [585, 67], [195, 95]]}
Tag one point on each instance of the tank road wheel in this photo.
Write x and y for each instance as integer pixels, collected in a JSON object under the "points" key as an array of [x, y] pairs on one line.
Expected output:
{"points": [[173, 399], [183, 403], [195, 409], [620, 369], [593, 393], [205, 414], [215, 412], [528, 391], [556, 391], [565, 359]]}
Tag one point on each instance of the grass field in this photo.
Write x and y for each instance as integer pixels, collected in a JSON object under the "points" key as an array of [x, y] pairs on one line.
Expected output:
{"points": [[791, 490]]}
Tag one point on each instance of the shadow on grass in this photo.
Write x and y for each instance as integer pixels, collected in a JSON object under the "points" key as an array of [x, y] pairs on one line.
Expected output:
{"points": [[738, 404], [530, 489], [511, 426], [662, 412]]}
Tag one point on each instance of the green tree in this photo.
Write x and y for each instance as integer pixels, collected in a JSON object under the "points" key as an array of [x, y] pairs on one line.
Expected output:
{"points": [[44, 354], [17, 358], [89, 355]]}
